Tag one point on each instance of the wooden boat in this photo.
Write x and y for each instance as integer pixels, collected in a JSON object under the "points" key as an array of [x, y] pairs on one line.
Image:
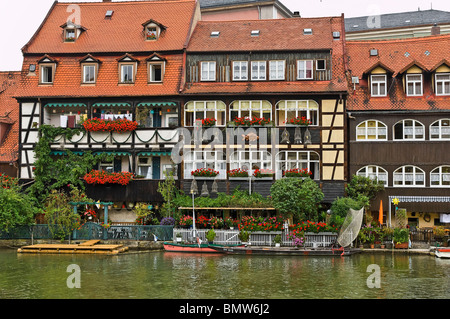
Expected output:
{"points": [[442, 252], [247, 250], [194, 248]]}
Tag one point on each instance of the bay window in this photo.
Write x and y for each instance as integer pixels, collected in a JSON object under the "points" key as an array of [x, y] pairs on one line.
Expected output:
{"points": [[291, 109], [200, 110], [287, 160], [250, 109]]}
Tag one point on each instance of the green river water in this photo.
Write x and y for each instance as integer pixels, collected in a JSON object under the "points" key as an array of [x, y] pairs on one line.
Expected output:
{"points": [[159, 275]]}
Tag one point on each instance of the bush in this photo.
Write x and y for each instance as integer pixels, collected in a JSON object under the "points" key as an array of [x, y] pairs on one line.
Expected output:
{"points": [[168, 221], [341, 207], [16, 209]]}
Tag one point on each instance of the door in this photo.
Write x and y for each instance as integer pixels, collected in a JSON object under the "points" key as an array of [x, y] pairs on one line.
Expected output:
{"points": [[156, 167], [157, 117]]}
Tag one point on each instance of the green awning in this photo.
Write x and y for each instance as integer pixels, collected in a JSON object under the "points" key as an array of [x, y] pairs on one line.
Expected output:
{"points": [[155, 153], [115, 153], [157, 104], [65, 105], [111, 105], [60, 153]]}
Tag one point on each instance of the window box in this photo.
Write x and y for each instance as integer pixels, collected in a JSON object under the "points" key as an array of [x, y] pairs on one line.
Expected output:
{"points": [[119, 125]]}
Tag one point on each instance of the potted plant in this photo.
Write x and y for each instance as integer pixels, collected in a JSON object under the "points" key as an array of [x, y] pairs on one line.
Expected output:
{"points": [[401, 238], [210, 235], [178, 236], [277, 240], [244, 236]]}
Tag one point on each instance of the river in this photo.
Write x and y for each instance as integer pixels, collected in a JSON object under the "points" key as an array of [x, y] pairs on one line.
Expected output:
{"points": [[159, 275]]}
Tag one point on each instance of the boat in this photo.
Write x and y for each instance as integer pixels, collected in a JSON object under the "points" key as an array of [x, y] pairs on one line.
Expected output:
{"points": [[194, 248], [260, 250], [442, 252]]}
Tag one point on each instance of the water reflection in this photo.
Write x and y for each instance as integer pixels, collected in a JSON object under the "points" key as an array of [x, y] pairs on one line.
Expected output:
{"points": [[192, 276]]}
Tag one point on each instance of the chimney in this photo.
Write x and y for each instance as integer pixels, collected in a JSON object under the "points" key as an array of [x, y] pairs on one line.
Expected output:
{"points": [[296, 14], [435, 29], [107, 1]]}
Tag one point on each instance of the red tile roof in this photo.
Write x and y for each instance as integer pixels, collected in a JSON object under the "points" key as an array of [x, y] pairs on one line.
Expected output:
{"points": [[279, 35], [9, 113], [123, 32], [397, 56], [276, 34], [67, 82]]}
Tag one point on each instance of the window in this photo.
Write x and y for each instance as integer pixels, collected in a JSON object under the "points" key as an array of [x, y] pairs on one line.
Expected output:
{"points": [[440, 177], [442, 84], [305, 69], [250, 109], [151, 33], [276, 70], [291, 109], [69, 35], [251, 161], [240, 72], [371, 130], [215, 160], [378, 85], [199, 110], [409, 176], [127, 73], [440, 130], [156, 71], [375, 173], [89, 73], [258, 70], [47, 74], [321, 65], [409, 130], [144, 167], [302, 160], [208, 71], [414, 84]]}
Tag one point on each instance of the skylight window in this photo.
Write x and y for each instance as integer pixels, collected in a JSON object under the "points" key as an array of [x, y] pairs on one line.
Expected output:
{"points": [[215, 34], [307, 31], [255, 33], [109, 14]]}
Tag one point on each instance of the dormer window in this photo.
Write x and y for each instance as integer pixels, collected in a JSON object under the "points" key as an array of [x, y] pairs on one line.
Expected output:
{"points": [[378, 84], [47, 68], [89, 69], [442, 83], [152, 30], [127, 69], [71, 31], [156, 68], [70, 35], [414, 85]]}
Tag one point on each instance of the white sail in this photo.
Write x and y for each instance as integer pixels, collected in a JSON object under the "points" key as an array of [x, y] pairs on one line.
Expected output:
{"points": [[350, 228]]}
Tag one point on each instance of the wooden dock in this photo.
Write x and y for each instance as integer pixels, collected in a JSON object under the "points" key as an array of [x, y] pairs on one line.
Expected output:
{"points": [[88, 247]]}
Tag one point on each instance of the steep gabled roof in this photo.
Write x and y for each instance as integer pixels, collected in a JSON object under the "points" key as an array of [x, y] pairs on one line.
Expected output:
{"points": [[122, 32], [9, 113]]}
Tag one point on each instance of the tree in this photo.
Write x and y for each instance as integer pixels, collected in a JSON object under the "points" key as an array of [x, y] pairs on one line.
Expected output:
{"points": [[297, 198], [168, 190], [340, 208], [16, 209]]}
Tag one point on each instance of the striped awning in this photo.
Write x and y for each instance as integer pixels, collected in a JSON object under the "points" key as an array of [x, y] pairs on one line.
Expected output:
{"points": [[162, 153], [111, 104], [157, 104], [115, 153], [65, 105], [61, 153]]}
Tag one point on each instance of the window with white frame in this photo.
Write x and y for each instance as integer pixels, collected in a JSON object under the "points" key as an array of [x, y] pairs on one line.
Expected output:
{"points": [[440, 177], [409, 130], [47, 73], [251, 109], [258, 70], [442, 83], [208, 71], [409, 176], [89, 73], [215, 160], [378, 85], [304, 69], [287, 160], [371, 130], [145, 166], [414, 85], [200, 110], [251, 161], [127, 73], [440, 130], [156, 72], [277, 69], [240, 70], [287, 110], [375, 173]]}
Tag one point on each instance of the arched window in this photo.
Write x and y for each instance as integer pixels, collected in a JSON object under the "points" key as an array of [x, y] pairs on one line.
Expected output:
{"points": [[374, 172], [298, 159], [251, 160], [200, 110], [251, 109], [409, 130], [371, 130], [409, 175], [287, 110], [440, 177], [440, 130], [215, 160]]}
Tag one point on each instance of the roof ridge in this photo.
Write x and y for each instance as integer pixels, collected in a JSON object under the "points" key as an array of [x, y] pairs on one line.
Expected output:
{"points": [[416, 39]]}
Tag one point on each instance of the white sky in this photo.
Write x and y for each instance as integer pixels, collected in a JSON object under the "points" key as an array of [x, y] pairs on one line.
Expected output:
{"points": [[19, 19]]}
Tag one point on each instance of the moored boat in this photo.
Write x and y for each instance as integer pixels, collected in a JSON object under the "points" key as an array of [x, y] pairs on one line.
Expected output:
{"points": [[442, 252], [194, 248], [248, 250]]}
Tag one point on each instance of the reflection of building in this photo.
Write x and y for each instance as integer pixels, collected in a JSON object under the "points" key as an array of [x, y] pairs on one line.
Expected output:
{"points": [[226, 10], [399, 128], [398, 25], [72, 73], [275, 70], [9, 123]]}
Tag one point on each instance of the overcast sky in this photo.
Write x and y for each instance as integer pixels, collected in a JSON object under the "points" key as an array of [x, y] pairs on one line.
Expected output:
{"points": [[19, 19]]}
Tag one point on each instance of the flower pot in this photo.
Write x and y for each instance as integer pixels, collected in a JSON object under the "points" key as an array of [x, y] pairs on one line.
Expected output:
{"points": [[277, 245], [179, 239], [401, 245], [372, 246], [382, 246]]}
